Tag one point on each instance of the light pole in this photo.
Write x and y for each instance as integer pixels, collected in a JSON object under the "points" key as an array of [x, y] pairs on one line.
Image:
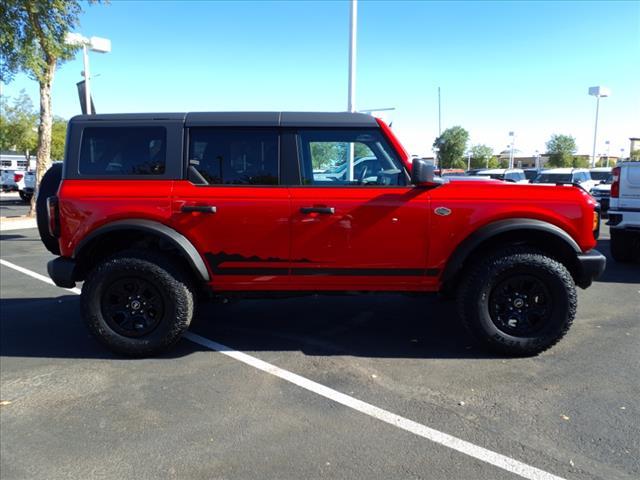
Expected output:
{"points": [[597, 92], [537, 160], [439, 115], [513, 139], [353, 24], [95, 44], [468, 159], [351, 100], [608, 144]]}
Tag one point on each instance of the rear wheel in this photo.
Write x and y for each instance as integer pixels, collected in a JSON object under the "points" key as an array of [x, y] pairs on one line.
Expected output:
{"points": [[25, 197], [621, 245], [519, 302], [137, 303]]}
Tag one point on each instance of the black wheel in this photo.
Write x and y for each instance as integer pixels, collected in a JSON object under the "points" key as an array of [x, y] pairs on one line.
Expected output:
{"points": [[621, 245], [137, 303], [25, 197], [518, 302], [47, 188]]}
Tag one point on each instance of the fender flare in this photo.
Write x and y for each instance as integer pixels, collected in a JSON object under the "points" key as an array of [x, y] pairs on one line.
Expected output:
{"points": [[174, 237], [493, 229]]}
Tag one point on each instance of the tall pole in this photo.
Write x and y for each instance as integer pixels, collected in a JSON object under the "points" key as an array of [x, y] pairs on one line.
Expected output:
{"points": [[351, 107], [595, 133], [439, 114], [87, 91], [513, 136]]}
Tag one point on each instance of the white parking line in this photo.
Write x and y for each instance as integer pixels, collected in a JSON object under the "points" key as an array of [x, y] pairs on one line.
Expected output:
{"points": [[488, 456], [37, 276]]}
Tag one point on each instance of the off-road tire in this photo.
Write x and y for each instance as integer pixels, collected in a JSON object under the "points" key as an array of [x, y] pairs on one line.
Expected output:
{"points": [[48, 187], [622, 244], [479, 287], [165, 275]]}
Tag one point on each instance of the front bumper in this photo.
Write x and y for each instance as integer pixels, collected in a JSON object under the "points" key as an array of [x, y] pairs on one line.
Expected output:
{"points": [[592, 264], [62, 271]]}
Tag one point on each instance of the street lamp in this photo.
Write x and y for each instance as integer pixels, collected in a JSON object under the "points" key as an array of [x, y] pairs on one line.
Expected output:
{"points": [[95, 44], [353, 24], [597, 92], [469, 160], [608, 144], [513, 139]]}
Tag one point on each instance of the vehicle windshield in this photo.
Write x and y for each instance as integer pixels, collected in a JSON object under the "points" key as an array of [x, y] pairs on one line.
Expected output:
{"points": [[601, 176], [553, 178]]}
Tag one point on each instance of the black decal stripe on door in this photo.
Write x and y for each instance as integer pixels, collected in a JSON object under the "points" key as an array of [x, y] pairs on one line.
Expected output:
{"points": [[216, 260]]}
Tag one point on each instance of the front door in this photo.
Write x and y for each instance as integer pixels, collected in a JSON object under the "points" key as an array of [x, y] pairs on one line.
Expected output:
{"points": [[356, 222], [233, 208]]}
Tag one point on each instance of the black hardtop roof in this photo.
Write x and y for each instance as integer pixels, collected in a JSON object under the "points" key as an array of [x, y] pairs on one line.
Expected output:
{"points": [[245, 119]]}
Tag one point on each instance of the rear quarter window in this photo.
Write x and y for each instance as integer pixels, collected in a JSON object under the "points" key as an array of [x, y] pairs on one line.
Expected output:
{"points": [[135, 151]]}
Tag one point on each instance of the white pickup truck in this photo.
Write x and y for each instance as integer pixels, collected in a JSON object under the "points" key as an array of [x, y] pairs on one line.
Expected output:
{"points": [[624, 212], [26, 182]]}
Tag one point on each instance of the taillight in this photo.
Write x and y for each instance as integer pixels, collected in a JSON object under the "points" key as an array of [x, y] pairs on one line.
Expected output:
{"points": [[615, 186], [53, 220], [17, 177]]}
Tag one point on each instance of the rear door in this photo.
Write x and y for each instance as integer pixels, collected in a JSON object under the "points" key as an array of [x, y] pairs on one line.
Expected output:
{"points": [[233, 208], [356, 222]]}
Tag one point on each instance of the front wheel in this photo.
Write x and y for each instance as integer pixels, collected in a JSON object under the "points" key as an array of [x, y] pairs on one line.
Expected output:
{"points": [[519, 302], [137, 303]]}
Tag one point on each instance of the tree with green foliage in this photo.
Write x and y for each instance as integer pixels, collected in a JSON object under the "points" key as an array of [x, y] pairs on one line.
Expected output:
{"points": [[58, 138], [452, 145], [481, 156], [561, 150], [32, 34], [18, 122]]}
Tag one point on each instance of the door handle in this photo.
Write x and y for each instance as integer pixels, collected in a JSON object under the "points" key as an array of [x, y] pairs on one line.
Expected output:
{"points": [[325, 210], [198, 208]]}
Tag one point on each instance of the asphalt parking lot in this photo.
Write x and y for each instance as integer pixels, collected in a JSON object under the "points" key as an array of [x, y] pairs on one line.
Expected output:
{"points": [[71, 409], [12, 206]]}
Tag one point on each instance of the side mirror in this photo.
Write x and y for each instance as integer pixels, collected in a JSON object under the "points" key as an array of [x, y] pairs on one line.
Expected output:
{"points": [[422, 173]]}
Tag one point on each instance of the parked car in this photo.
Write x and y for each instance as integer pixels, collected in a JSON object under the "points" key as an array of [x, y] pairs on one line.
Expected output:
{"points": [[624, 212], [566, 176], [149, 223], [602, 191], [601, 174], [451, 172], [531, 173], [10, 163], [25, 182], [514, 175], [7, 183]]}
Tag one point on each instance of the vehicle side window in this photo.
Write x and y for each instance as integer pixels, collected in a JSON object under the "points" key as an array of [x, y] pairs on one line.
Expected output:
{"points": [[226, 156], [123, 151], [348, 157]]}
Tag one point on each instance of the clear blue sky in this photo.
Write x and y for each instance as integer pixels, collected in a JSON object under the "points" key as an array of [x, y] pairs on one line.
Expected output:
{"points": [[502, 66]]}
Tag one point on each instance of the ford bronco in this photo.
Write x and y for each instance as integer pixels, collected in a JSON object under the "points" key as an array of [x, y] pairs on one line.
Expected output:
{"points": [[151, 211]]}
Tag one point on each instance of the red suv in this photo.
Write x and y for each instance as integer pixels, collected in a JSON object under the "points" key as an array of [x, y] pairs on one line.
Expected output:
{"points": [[152, 210]]}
